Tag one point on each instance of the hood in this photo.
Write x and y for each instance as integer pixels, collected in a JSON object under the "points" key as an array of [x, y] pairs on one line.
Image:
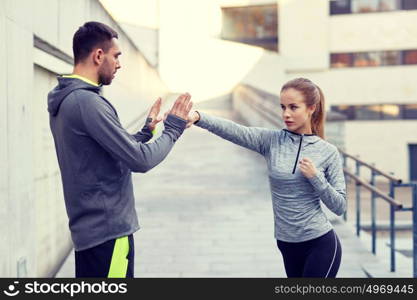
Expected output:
{"points": [[63, 89]]}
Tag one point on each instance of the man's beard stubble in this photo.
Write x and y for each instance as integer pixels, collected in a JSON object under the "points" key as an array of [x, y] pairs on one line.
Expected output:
{"points": [[105, 77]]}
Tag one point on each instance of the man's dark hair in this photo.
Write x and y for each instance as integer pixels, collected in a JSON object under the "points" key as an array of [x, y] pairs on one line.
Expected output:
{"points": [[90, 36]]}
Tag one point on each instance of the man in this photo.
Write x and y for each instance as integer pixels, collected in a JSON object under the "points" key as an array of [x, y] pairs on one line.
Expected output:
{"points": [[96, 155]]}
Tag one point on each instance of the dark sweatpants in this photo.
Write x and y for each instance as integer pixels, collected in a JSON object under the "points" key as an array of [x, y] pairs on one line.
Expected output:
{"points": [[96, 261]]}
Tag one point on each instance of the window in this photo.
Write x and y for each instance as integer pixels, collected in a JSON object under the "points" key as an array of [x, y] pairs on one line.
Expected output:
{"points": [[339, 7], [340, 60], [412, 150], [409, 4], [255, 25], [390, 58], [373, 59], [368, 112], [346, 110], [364, 6], [366, 59], [377, 111], [367, 6], [410, 57], [390, 112], [410, 111], [389, 5]]}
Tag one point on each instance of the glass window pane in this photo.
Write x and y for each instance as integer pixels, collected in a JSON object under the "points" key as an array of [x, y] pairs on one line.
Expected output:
{"points": [[367, 59], [368, 112], [255, 25], [389, 5], [390, 112], [410, 57], [410, 111], [346, 110], [390, 58], [364, 6], [341, 60], [409, 4], [339, 7]]}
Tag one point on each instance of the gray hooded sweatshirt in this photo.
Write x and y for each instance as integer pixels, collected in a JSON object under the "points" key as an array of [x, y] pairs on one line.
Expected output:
{"points": [[296, 199], [96, 156]]}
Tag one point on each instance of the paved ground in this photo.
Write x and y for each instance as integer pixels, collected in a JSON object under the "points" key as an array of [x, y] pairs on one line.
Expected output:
{"points": [[206, 212]]}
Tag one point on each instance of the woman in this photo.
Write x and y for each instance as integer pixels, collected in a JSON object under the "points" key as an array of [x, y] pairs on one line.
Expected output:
{"points": [[303, 169]]}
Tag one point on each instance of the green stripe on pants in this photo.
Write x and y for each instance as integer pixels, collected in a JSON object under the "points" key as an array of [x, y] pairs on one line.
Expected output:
{"points": [[119, 261]]}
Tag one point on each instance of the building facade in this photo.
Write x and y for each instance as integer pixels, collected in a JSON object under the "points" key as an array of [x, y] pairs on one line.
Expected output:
{"points": [[364, 54]]}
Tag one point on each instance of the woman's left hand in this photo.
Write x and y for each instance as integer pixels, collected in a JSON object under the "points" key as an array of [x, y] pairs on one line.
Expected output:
{"points": [[307, 167]]}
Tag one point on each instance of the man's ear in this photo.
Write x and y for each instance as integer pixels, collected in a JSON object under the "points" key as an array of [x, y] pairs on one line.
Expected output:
{"points": [[98, 55]]}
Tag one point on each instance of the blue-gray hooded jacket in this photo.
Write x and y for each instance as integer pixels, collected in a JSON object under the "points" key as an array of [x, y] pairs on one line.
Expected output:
{"points": [[96, 156]]}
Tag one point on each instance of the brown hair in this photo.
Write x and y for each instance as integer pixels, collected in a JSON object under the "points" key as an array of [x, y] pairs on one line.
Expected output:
{"points": [[313, 95]]}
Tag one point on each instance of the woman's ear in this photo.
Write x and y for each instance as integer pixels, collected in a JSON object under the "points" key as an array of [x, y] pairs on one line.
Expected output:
{"points": [[312, 109]]}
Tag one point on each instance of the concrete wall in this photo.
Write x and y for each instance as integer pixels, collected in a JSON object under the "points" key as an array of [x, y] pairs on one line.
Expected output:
{"points": [[146, 39], [394, 30], [308, 33], [52, 237], [4, 183], [17, 202], [303, 33], [34, 235], [384, 143]]}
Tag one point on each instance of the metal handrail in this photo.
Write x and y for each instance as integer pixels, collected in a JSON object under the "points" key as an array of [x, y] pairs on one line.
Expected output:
{"points": [[378, 192], [370, 166], [395, 206]]}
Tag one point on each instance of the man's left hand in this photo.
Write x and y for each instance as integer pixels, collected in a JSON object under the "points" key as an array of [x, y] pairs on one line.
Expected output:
{"points": [[153, 117]]}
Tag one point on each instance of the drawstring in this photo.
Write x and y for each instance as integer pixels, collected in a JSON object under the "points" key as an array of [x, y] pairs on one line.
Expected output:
{"points": [[298, 153]]}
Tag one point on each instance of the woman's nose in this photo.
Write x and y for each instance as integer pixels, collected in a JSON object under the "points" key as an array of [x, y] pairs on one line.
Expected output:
{"points": [[286, 114]]}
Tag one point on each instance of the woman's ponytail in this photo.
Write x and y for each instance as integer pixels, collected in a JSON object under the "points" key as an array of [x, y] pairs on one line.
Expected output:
{"points": [[318, 117]]}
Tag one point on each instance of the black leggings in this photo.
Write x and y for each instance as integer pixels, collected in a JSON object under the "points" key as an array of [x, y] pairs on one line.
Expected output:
{"points": [[319, 257]]}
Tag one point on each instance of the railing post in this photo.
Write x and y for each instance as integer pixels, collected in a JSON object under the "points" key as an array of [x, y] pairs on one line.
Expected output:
{"points": [[358, 201], [392, 226], [415, 231], [346, 182], [373, 213]]}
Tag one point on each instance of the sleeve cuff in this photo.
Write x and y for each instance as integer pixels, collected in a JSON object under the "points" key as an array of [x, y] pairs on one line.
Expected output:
{"points": [[199, 115], [175, 122], [202, 122], [146, 131], [319, 182]]}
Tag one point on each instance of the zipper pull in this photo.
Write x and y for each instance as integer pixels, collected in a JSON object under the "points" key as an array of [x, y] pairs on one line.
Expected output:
{"points": [[298, 153]]}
